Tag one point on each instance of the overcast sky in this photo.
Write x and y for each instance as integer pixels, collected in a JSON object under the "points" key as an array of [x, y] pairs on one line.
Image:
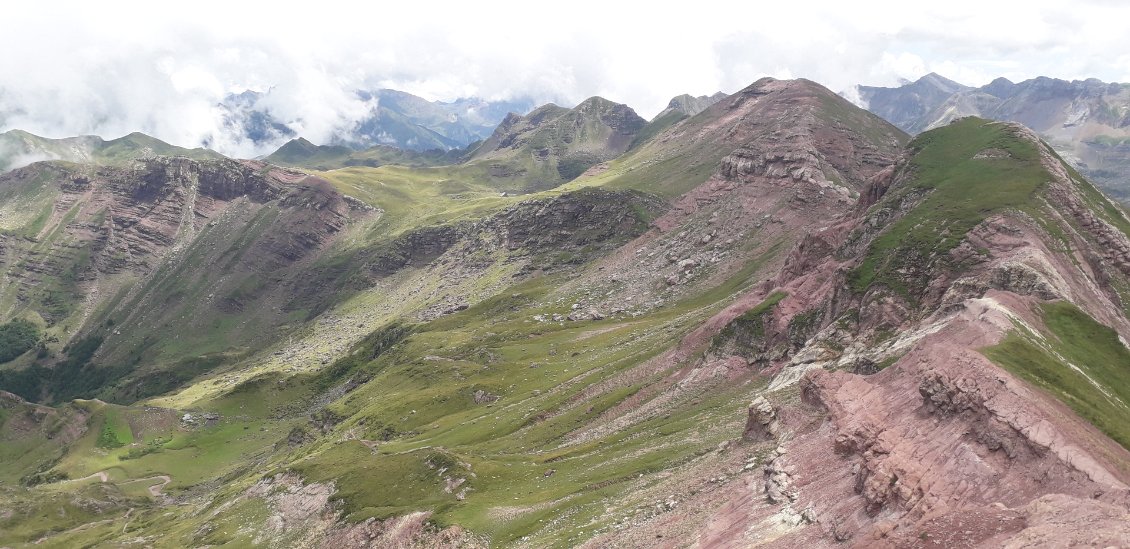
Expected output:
{"points": [[110, 68]]}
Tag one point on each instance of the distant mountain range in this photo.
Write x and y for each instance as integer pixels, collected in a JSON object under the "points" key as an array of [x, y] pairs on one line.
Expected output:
{"points": [[549, 146], [1086, 121], [395, 118]]}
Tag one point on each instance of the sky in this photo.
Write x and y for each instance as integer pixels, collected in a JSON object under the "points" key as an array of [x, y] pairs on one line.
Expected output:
{"points": [[110, 68]]}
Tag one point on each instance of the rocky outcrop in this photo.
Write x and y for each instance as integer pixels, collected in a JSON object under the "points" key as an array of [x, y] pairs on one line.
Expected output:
{"points": [[304, 514], [795, 165], [587, 218], [688, 105], [762, 423], [946, 414], [779, 477], [1112, 243], [482, 397], [417, 247], [411, 530], [565, 230], [221, 179]]}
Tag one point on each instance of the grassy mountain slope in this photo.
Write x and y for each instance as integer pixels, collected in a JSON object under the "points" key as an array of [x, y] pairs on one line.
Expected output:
{"points": [[19, 148], [1079, 360], [959, 195], [933, 247], [961, 175]]}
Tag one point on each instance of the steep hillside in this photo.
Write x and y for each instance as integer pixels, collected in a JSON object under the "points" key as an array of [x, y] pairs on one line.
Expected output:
{"points": [[142, 277], [776, 322], [147, 269]]}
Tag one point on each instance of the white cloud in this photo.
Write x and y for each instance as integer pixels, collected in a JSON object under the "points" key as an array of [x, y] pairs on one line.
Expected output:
{"points": [[11, 160], [114, 67], [905, 65]]}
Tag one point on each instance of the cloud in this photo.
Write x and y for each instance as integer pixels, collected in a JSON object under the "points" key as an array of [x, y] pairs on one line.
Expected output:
{"points": [[13, 156], [20, 160], [113, 68]]}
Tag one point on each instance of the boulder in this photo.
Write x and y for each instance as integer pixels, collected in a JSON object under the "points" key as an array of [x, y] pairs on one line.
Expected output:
{"points": [[762, 423]]}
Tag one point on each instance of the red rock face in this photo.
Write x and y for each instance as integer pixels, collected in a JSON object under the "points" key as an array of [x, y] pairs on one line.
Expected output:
{"points": [[941, 433], [944, 448], [130, 219]]}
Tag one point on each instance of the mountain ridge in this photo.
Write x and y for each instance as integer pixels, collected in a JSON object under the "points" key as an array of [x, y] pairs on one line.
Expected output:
{"points": [[301, 153], [19, 148]]}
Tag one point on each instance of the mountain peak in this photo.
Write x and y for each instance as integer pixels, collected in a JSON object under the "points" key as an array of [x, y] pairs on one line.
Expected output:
{"points": [[905, 106], [757, 85], [595, 101], [688, 105], [553, 144], [1001, 87], [939, 81], [297, 148]]}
